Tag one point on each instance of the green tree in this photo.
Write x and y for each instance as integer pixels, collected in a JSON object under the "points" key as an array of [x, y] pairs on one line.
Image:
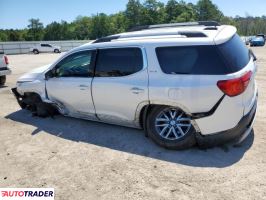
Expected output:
{"points": [[133, 13], [118, 23], [3, 36], [52, 31], [100, 26], [187, 12], [206, 10], [82, 27], [14, 35], [153, 12], [35, 31], [172, 10]]}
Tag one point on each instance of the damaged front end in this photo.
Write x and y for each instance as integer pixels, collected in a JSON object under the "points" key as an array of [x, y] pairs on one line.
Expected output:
{"points": [[33, 102], [19, 97]]}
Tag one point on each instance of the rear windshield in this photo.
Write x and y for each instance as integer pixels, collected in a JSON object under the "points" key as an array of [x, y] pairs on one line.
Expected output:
{"points": [[235, 53], [205, 59]]}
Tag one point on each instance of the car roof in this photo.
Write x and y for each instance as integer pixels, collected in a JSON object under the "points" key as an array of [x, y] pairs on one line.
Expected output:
{"points": [[180, 35]]}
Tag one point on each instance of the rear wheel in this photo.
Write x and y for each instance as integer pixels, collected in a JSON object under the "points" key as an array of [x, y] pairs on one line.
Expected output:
{"points": [[171, 128], [2, 80], [35, 51], [56, 51]]}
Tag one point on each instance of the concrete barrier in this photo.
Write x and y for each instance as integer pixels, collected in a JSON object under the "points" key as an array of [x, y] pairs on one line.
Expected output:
{"points": [[24, 46]]}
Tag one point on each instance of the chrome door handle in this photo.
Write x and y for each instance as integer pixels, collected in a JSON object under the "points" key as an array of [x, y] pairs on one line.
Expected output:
{"points": [[137, 90]]}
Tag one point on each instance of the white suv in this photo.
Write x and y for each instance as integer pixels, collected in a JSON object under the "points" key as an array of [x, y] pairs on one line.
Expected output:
{"points": [[182, 83]]}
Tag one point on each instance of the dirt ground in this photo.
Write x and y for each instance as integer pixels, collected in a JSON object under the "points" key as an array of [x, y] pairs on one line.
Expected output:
{"points": [[89, 160]]}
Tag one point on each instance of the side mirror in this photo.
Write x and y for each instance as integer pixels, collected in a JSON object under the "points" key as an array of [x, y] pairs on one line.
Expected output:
{"points": [[50, 74], [253, 55]]}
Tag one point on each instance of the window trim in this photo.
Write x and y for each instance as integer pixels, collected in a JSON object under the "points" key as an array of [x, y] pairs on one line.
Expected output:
{"points": [[144, 59], [144, 55], [54, 66]]}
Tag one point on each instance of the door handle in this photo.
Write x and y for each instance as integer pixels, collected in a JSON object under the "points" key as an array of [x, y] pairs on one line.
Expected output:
{"points": [[137, 90], [83, 86]]}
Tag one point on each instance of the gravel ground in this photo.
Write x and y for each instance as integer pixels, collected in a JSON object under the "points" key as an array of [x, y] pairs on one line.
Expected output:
{"points": [[89, 160]]}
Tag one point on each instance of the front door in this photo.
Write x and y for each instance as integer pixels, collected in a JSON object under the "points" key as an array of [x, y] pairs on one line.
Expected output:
{"points": [[71, 86]]}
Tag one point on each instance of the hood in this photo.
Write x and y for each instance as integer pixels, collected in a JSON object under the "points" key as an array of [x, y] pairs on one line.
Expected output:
{"points": [[34, 74]]}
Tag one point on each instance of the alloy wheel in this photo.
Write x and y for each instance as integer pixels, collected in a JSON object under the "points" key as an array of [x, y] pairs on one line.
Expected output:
{"points": [[172, 123]]}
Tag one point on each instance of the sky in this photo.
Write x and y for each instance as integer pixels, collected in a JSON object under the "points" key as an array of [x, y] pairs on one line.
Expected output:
{"points": [[16, 13]]}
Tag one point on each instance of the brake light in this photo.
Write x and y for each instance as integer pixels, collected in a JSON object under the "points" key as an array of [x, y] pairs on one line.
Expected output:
{"points": [[6, 60], [234, 87]]}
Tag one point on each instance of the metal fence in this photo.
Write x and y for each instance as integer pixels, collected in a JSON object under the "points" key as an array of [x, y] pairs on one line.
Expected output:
{"points": [[24, 47]]}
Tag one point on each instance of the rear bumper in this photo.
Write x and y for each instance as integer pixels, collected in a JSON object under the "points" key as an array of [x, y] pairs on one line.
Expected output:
{"points": [[236, 134], [5, 72]]}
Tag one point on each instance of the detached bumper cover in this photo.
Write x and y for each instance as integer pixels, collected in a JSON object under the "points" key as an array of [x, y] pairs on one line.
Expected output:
{"points": [[19, 98], [16, 94], [240, 132]]}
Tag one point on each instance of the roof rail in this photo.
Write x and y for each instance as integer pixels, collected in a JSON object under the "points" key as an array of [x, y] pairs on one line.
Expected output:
{"points": [[189, 34], [106, 39], [199, 23]]}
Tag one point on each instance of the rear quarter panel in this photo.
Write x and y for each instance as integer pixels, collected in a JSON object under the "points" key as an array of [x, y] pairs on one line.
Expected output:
{"points": [[194, 94]]}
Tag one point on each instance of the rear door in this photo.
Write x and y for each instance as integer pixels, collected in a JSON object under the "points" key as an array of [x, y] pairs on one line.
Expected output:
{"points": [[120, 84], [43, 48], [71, 86], [49, 48]]}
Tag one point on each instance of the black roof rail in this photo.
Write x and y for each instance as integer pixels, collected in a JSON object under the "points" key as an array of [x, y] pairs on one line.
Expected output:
{"points": [[199, 23], [192, 34], [106, 39]]}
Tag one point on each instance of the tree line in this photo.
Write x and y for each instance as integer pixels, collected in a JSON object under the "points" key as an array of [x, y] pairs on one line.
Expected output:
{"points": [[135, 14]]}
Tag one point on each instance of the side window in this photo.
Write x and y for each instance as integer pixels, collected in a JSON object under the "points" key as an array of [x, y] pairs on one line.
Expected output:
{"points": [[118, 62], [76, 65], [202, 60], [43, 45]]}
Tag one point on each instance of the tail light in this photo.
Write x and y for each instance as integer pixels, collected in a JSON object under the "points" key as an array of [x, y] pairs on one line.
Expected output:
{"points": [[6, 60], [234, 87]]}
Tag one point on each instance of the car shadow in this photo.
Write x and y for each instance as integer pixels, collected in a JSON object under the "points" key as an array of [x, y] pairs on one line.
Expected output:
{"points": [[130, 140]]}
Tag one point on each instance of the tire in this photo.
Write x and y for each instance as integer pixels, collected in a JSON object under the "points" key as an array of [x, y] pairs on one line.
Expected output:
{"points": [[56, 51], [175, 140], [35, 51], [2, 80]]}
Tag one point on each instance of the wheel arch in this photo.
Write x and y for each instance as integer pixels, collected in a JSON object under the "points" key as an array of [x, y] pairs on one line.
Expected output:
{"points": [[145, 107]]}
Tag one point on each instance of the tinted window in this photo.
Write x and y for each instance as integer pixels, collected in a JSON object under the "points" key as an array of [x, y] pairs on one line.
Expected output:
{"points": [[46, 45], [235, 53], [118, 62], [75, 65], [191, 60]]}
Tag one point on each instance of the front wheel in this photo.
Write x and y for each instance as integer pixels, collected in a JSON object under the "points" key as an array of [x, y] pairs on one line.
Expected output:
{"points": [[170, 127], [56, 51], [2, 80]]}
